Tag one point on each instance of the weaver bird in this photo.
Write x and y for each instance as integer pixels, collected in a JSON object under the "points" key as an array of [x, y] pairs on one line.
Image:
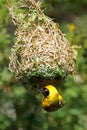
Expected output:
{"points": [[51, 100]]}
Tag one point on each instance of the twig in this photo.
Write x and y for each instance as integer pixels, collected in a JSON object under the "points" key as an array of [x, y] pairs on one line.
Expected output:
{"points": [[8, 4]]}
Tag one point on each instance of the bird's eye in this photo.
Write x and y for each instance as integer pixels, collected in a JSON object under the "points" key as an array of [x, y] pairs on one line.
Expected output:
{"points": [[45, 92]]}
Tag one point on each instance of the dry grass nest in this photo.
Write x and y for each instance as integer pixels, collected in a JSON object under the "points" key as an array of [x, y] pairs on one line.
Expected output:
{"points": [[41, 50]]}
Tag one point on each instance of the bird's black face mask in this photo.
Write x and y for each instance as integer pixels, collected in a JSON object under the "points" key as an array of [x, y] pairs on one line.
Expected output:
{"points": [[44, 91]]}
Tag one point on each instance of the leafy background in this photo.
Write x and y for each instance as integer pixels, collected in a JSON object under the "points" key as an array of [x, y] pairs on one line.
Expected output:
{"points": [[20, 110]]}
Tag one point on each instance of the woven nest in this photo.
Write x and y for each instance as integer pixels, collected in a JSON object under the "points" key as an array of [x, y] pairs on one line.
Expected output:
{"points": [[41, 54]]}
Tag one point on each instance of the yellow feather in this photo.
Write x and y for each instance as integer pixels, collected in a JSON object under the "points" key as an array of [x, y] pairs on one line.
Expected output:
{"points": [[53, 101]]}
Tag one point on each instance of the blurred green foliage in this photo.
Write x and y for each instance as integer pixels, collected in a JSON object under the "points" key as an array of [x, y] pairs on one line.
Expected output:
{"points": [[21, 110]]}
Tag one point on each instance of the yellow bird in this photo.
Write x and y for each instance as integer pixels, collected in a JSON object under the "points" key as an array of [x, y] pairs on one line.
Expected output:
{"points": [[51, 100]]}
